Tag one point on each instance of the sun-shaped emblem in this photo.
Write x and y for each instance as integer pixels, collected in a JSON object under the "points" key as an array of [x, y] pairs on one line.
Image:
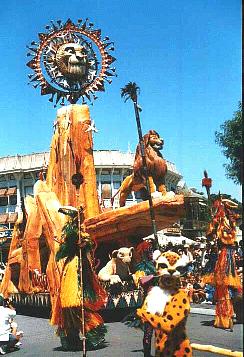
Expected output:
{"points": [[71, 62]]}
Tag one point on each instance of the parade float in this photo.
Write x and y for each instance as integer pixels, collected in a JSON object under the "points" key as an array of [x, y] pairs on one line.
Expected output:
{"points": [[52, 258], [54, 253]]}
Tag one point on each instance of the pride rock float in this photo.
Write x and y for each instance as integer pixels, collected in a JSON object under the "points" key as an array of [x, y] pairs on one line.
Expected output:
{"points": [[33, 267]]}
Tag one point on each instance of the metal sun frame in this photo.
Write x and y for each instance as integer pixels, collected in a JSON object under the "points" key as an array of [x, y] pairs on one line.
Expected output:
{"points": [[86, 90]]}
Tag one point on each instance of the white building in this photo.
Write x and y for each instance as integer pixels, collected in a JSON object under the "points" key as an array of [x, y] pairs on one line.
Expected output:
{"points": [[19, 173]]}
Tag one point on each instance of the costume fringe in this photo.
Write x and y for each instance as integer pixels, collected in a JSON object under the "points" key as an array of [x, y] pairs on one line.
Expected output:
{"points": [[225, 272], [224, 308], [96, 338], [67, 308], [70, 294]]}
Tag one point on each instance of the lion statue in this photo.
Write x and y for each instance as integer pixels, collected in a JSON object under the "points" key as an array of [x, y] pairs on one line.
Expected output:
{"points": [[118, 267], [156, 167]]}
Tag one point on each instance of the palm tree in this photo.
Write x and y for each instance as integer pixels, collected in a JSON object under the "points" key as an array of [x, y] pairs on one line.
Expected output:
{"points": [[131, 91]]}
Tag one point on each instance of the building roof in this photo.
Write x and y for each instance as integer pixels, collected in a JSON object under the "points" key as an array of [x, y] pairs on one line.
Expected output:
{"points": [[102, 158], [17, 163], [113, 158], [8, 217]]}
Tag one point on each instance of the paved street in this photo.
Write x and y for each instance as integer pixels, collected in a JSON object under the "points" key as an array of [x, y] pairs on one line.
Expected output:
{"points": [[40, 340]]}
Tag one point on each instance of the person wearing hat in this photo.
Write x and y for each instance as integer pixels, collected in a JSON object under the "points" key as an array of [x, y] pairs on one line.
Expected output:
{"points": [[7, 339]]}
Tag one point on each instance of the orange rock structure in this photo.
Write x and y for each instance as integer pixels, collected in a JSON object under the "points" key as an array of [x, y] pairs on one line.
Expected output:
{"points": [[71, 152], [31, 265], [33, 250], [128, 221]]}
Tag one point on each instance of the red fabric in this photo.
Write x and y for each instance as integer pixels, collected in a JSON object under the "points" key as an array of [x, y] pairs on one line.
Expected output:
{"points": [[224, 305], [224, 308], [207, 182]]}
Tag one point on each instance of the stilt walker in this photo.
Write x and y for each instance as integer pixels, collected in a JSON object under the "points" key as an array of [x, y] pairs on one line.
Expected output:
{"points": [[222, 232]]}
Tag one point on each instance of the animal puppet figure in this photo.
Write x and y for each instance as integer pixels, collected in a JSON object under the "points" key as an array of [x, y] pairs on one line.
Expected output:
{"points": [[167, 306], [118, 268], [156, 167]]}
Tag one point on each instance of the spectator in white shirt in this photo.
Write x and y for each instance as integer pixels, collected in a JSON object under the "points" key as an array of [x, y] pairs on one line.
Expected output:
{"points": [[7, 313]]}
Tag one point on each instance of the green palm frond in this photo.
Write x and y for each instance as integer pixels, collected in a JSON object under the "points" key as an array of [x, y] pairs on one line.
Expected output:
{"points": [[130, 91]]}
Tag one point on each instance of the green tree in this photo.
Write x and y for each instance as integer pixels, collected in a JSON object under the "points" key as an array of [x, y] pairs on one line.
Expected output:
{"points": [[230, 139]]}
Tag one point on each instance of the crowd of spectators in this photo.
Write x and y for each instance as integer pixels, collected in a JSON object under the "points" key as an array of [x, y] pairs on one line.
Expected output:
{"points": [[198, 258]]}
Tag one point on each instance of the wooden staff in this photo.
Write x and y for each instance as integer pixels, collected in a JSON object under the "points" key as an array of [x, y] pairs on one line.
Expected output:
{"points": [[217, 350], [77, 180], [81, 281]]}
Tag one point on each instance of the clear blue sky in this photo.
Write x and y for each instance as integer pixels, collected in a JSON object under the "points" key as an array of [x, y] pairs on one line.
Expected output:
{"points": [[184, 55]]}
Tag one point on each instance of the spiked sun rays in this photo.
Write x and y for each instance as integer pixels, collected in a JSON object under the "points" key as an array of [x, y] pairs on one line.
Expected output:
{"points": [[71, 62]]}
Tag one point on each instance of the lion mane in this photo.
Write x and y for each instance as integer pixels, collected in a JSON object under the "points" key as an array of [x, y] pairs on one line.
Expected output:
{"points": [[156, 167]]}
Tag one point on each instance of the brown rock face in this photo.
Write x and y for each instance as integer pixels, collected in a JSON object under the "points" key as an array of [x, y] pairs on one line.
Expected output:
{"points": [[72, 153]]}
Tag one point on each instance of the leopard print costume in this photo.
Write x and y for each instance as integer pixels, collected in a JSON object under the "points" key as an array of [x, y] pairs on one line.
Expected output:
{"points": [[166, 308]]}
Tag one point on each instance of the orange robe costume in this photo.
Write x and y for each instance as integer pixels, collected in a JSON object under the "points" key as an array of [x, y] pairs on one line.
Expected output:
{"points": [[224, 277]]}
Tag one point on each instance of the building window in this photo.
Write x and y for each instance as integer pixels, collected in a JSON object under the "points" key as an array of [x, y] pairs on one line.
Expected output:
{"points": [[106, 190], [13, 200], [105, 172], [127, 173], [11, 177], [117, 185], [2, 178], [28, 190], [3, 201], [27, 175], [138, 195]]}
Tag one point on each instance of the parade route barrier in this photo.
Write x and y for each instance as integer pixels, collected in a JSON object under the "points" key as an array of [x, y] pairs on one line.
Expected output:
{"points": [[217, 350]]}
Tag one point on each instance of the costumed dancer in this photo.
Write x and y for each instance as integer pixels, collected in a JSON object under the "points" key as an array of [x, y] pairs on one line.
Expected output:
{"points": [[78, 294], [167, 306], [222, 231], [144, 250]]}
